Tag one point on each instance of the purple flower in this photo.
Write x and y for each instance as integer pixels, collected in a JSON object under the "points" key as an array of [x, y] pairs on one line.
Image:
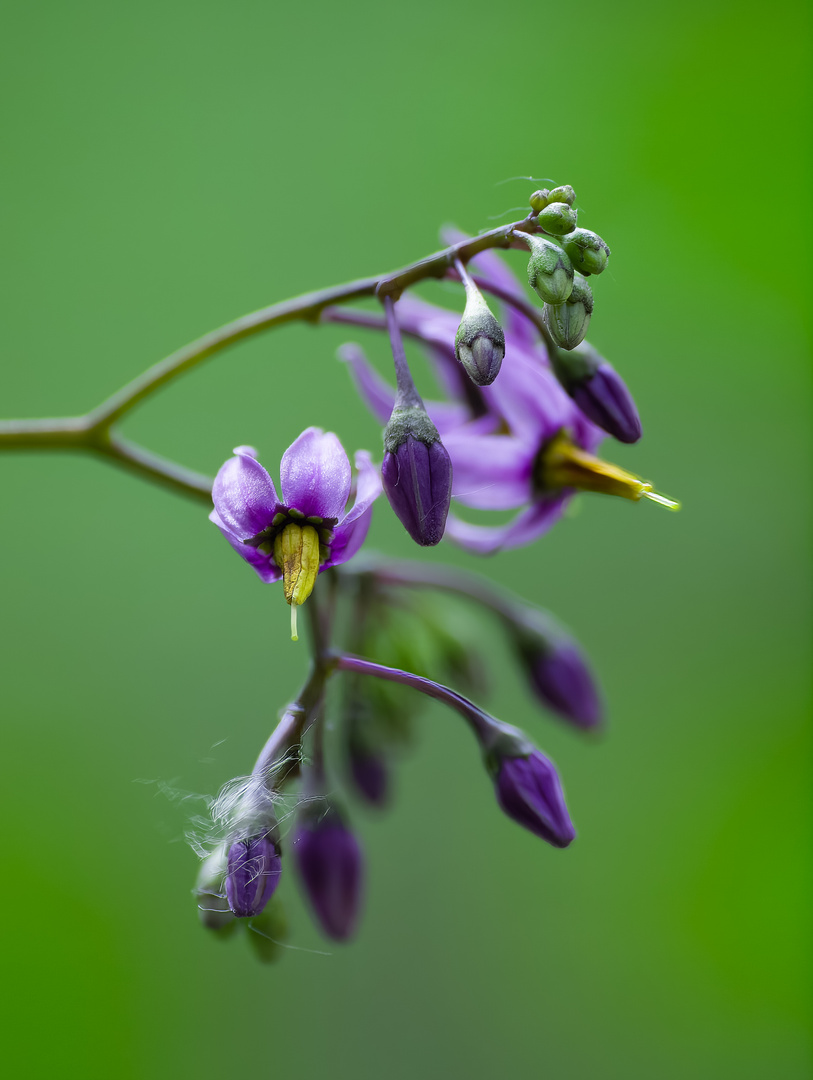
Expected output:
{"points": [[529, 791], [254, 868], [330, 865], [308, 529]]}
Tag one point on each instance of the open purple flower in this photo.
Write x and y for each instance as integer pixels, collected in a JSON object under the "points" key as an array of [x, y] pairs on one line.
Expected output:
{"points": [[308, 529]]}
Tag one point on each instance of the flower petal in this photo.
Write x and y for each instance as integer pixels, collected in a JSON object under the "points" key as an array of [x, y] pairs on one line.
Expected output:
{"points": [[530, 400], [261, 563], [526, 527], [375, 391], [491, 472], [351, 532], [244, 495], [315, 474]]}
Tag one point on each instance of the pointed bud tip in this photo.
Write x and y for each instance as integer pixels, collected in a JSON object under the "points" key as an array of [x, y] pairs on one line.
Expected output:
{"points": [[529, 791]]}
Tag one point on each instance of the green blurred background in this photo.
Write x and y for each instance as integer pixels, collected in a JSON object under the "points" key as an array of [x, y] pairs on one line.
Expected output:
{"points": [[169, 166]]}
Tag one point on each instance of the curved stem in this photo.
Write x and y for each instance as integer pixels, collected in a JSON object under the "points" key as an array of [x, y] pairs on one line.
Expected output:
{"points": [[480, 722], [93, 431]]}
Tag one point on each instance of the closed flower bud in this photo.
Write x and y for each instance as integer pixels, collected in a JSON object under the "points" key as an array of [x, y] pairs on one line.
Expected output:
{"points": [[562, 680], [539, 199], [568, 322], [370, 774], [254, 869], [330, 865], [554, 665], [417, 474], [564, 194], [557, 218], [587, 251], [529, 790], [550, 273], [599, 391], [479, 343]]}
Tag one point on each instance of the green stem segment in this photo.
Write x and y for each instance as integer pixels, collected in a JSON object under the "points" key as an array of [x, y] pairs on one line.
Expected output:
{"points": [[92, 433]]}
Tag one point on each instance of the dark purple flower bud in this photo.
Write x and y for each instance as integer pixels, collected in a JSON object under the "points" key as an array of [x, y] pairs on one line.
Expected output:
{"points": [[605, 399], [254, 868], [417, 474], [599, 391], [529, 791], [561, 678], [330, 865], [371, 777]]}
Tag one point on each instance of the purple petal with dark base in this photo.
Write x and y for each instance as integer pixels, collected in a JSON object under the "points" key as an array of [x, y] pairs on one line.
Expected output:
{"points": [[351, 532], [263, 564], [529, 791], [315, 474], [562, 680], [254, 869], [244, 495], [330, 865], [605, 399], [418, 483]]}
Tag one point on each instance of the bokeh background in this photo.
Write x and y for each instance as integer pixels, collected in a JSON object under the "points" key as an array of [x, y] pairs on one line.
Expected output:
{"points": [[171, 165]]}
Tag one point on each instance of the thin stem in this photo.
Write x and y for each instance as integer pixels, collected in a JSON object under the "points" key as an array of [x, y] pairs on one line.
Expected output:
{"points": [[307, 308], [92, 432], [472, 292], [408, 396], [480, 722]]}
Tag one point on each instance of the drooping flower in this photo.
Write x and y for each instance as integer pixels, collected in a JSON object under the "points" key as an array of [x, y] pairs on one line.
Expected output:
{"points": [[308, 529], [522, 443]]}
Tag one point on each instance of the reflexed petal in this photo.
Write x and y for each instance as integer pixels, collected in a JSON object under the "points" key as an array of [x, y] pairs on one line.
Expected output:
{"points": [[491, 472], [351, 532], [530, 400], [368, 487], [315, 474], [263, 564], [375, 391], [526, 527], [244, 495]]}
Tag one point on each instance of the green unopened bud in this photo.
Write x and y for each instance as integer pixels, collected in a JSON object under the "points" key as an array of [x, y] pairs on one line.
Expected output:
{"points": [[587, 251], [539, 199], [568, 322], [550, 273], [564, 194], [557, 218], [479, 343]]}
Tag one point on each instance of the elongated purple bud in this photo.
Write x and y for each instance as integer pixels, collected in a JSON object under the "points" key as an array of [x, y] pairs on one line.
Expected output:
{"points": [[561, 678], [330, 865], [529, 790], [605, 399], [370, 774], [254, 868], [417, 474], [599, 391]]}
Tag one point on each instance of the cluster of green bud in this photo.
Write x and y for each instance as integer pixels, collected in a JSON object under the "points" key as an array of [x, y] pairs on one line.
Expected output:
{"points": [[561, 261], [568, 322]]}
